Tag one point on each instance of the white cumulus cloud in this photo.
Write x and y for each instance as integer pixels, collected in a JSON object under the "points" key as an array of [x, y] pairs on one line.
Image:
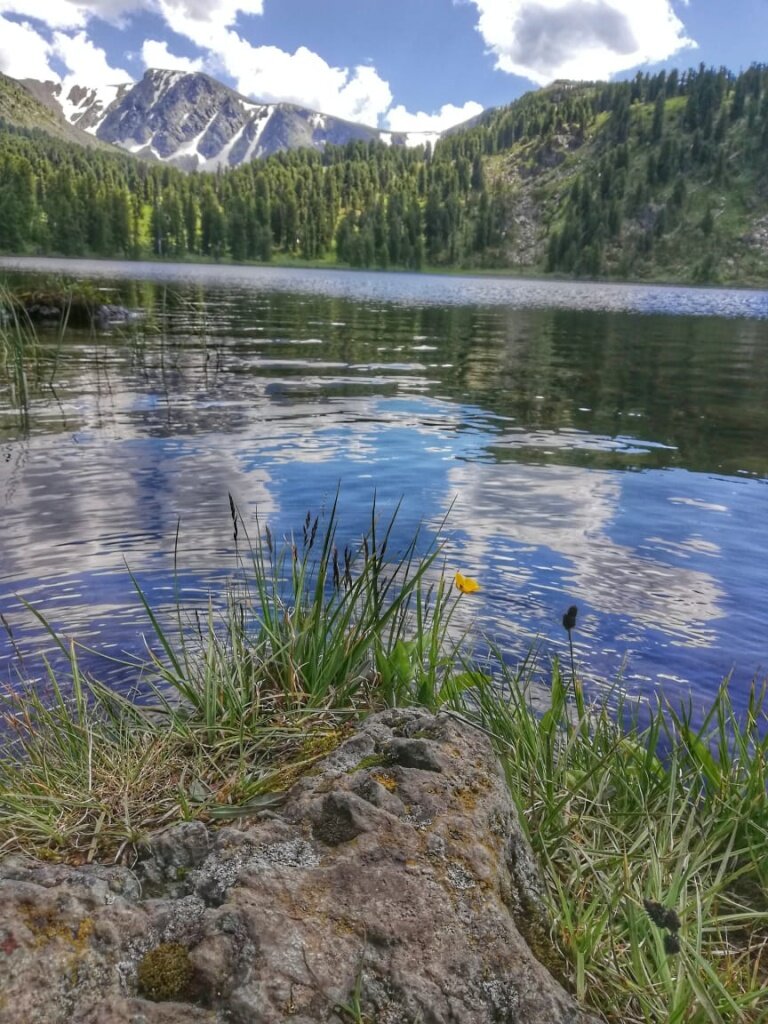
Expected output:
{"points": [[155, 54], [401, 120], [23, 52], [582, 39], [87, 64], [273, 75], [220, 12], [71, 14]]}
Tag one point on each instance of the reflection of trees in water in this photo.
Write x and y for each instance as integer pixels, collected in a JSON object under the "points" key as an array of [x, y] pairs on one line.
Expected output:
{"points": [[697, 385]]}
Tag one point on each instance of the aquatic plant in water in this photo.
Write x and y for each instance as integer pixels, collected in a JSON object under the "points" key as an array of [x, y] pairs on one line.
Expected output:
{"points": [[25, 363]]}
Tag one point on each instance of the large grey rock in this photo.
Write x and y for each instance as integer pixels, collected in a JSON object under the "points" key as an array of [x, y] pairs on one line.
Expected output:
{"points": [[398, 871]]}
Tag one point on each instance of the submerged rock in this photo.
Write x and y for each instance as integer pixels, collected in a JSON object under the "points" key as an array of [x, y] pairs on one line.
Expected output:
{"points": [[56, 308], [397, 875], [106, 315]]}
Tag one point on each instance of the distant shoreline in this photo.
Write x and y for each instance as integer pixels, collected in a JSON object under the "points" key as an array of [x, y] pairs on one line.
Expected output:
{"points": [[9, 261]]}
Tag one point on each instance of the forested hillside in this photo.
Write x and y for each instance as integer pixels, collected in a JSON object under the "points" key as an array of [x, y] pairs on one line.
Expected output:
{"points": [[663, 176]]}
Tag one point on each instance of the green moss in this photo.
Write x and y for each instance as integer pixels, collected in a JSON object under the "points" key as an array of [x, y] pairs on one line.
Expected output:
{"points": [[165, 972], [371, 761]]}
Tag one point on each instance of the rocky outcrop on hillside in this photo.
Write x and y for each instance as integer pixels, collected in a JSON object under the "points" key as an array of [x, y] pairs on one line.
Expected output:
{"points": [[30, 105], [393, 885], [757, 238]]}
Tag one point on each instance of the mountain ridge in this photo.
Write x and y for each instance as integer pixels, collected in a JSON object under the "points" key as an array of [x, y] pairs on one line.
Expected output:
{"points": [[25, 108], [663, 177], [193, 121]]}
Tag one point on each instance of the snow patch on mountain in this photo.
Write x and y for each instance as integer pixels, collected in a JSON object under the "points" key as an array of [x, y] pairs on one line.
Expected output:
{"points": [[190, 148], [85, 105], [412, 139], [253, 152], [193, 121]]}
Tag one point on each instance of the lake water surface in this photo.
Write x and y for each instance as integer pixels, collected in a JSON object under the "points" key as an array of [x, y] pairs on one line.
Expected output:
{"points": [[602, 445]]}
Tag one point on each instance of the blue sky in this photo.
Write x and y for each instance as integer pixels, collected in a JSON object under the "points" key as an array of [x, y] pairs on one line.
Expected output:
{"points": [[400, 64]]}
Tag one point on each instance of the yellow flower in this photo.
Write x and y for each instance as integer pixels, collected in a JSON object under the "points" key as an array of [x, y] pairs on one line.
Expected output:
{"points": [[466, 584]]}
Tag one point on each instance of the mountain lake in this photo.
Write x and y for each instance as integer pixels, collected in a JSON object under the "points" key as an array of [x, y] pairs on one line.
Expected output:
{"points": [[593, 444]]}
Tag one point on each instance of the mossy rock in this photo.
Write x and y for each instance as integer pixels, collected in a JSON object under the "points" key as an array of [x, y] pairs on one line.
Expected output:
{"points": [[165, 972], [370, 761]]}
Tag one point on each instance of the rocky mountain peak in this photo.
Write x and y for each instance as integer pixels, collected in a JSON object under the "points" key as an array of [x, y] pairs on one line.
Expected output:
{"points": [[197, 123]]}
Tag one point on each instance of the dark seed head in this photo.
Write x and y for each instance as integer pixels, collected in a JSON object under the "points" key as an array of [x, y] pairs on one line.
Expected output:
{"points": [[671, 921], [569, 619], [336, 572], [347, 567], [671, 944], [657, 912], [662, 917], [233, 513]]}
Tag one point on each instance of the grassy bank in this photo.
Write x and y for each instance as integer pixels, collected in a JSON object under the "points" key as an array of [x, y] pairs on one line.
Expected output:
{"points": [[652, 837]]}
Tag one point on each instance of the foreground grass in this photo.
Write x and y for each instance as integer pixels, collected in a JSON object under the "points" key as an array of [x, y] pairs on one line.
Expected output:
{"points": [[652, 836], [633, 824]]}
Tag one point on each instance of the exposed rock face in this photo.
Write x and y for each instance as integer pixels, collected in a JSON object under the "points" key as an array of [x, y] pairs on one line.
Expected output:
{"points": [[398, 872], [196, 123], [757, 238]]}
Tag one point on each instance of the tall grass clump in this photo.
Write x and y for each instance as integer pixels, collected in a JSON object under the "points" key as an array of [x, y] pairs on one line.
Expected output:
{"points": [[235, 701], [20, 352], [309, 628], [652, 835], [651, 830], [25, 362]]}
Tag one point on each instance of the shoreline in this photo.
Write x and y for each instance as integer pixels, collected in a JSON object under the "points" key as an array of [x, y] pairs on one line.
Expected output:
{"points": [[521, 274]]}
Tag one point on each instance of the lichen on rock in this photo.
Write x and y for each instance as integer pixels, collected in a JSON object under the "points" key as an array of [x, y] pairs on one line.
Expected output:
{"points": [[412, 888]]}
